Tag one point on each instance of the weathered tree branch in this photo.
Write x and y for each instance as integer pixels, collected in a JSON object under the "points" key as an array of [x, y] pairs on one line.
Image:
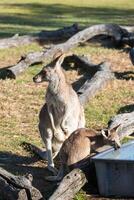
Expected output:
{"points": [[47, 36], [8, 191], [69, 186], [96, 77], [22, 65], [92, 86], [128, 28], [17, 187], [41, 37], [111, 30]]}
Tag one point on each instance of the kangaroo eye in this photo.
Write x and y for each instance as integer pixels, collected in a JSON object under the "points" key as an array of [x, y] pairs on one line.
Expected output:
{"points": [[44, 71]]}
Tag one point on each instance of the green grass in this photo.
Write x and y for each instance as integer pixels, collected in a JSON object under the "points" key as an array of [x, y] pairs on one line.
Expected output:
{"points": [[80, 196], [104, 106], [31, 15]]}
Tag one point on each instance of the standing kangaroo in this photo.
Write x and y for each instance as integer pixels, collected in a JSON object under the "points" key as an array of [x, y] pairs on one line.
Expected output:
{"points": [[62, 113], [80, 145]]}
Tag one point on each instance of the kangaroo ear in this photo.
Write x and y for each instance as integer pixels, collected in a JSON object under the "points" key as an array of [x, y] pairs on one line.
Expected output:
{"points": [[115, 128], [57, 55], [104, 134], [60, 60]]}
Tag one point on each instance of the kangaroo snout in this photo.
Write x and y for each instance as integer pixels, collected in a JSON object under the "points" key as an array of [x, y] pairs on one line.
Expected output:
{"points": [[38, 78], [117, 144]]}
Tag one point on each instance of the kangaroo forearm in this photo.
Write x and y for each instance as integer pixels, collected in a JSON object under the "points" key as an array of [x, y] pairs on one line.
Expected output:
{"points": [[65, 127], [51, 118], [52, 121], [64, 121]]}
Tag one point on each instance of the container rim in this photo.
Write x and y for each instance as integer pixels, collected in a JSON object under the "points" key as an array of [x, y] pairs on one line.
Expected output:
{"points": [[99, 156]]}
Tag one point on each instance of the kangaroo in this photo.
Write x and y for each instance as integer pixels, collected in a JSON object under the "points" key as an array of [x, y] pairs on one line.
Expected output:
{"points": [[80, 145], [62, 113]]}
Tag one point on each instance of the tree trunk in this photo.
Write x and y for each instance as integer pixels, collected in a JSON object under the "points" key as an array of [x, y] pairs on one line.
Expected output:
{"points": [[110, 29], [17, 187], [96, 83], [41, 37], [8, 191], [45, 37], [96, 78], [69, 186]]}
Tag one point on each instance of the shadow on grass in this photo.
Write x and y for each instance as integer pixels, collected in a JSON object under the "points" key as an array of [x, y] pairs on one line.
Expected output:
{"points": [[126, 109], [58, 15], [5, 73], [21, 165], [127, 75]]}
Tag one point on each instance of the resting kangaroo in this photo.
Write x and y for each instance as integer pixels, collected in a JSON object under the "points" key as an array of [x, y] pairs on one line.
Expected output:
{"points": [[80, 145], [62, 113]]}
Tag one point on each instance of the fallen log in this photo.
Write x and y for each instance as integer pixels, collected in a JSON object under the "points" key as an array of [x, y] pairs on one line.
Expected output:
{"points": [[8, 191], [37, 57], [96, 79], [92, 86], [47, 36], [17, 187], [41, 37], [22, 65], [125, 122], [69, 186], [130, 29]]}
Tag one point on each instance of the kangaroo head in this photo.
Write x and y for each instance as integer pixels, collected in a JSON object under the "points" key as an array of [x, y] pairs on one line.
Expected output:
{"points": [[112, 137], [50, 72]]}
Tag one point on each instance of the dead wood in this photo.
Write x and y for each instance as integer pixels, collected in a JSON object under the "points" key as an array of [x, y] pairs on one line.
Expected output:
{"points": [[46, 36], [130, 29], [17, 187], [110, 29], [22, 65], [8, 191], [96, 83], [96, 77], [41, 37], [69, 186], [125, 122]]}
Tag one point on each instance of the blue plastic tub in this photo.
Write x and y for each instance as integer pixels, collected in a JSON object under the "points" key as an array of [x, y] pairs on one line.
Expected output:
{"points": [[115, 171]]}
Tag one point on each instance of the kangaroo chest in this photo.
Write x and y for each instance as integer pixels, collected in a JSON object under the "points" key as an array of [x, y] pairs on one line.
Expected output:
{"points": [[57, 106]]}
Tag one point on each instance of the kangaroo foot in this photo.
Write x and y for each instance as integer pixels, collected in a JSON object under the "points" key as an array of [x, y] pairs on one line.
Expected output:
{"points": [[58, 177], [34, 149]]}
